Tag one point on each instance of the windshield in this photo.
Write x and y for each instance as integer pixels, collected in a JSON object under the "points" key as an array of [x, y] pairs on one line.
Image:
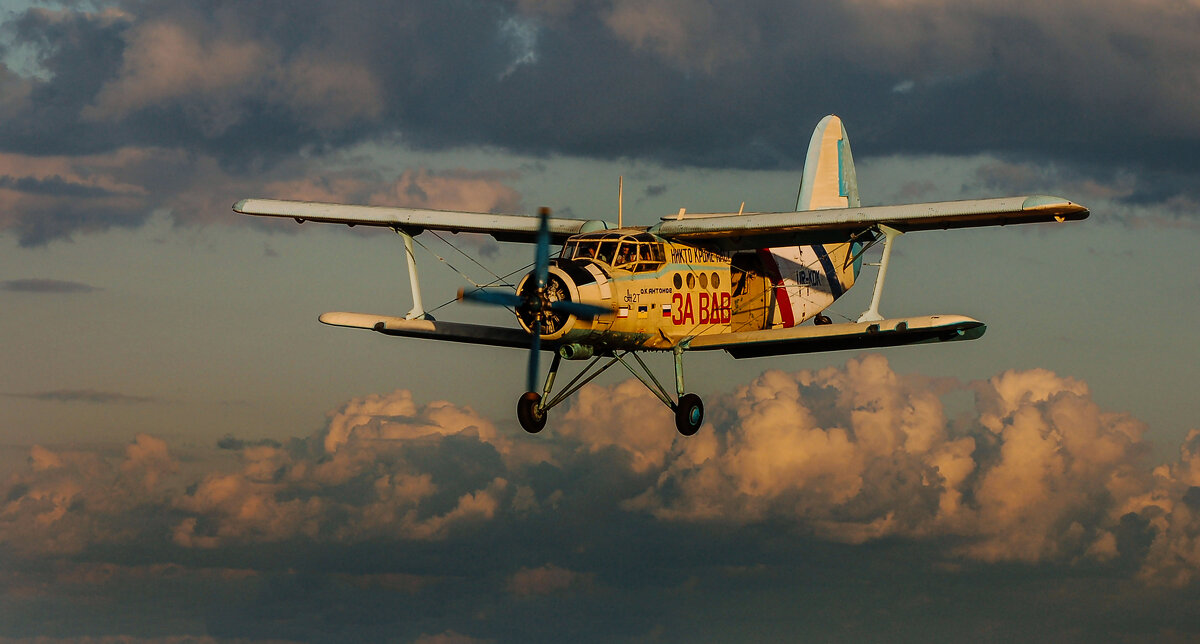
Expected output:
{"points": [[632, 253]]}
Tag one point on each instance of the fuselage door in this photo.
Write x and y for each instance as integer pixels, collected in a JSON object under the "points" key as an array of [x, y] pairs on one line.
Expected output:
{"points": [[753, 297]]}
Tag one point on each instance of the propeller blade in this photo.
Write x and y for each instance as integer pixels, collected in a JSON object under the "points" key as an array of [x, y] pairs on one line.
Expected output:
{"points": [[580, 310], [498, 298], [535, 348], [542, 264]]}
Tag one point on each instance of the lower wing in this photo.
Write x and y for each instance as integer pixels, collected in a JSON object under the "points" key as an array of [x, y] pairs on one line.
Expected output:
{"points": [[495, 336], [837, 337]]}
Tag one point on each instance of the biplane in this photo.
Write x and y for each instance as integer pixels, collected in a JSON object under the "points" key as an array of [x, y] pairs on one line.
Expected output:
{"points": [[740, 282]]}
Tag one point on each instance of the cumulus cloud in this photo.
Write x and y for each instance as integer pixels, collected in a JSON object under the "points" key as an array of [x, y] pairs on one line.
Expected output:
{"points": [[1034, 472], [67, 501], [1039, 472], [218, 76], [864, 453]]}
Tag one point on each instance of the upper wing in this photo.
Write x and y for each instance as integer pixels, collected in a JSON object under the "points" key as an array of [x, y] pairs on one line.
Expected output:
{"points": [[837, 337], [763, 230], [517, 228]]}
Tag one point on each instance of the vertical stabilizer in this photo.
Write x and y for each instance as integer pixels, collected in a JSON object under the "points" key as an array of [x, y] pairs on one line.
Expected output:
{"points": [[829, 180], [807, 279]]}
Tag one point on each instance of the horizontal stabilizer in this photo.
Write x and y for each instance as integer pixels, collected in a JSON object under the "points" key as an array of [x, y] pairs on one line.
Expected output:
{"points": [[495, 336], [837, 337]]}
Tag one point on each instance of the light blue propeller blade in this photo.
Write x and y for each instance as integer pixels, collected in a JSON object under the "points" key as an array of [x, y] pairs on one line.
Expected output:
{"points": [[535, 347], [542, 264], [499, 298], [579, 309]]}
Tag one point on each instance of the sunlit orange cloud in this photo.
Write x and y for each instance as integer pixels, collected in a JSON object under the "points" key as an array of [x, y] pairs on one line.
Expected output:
{"points": [[887, 462], [691, 34], [546, 580], [166, 62], [1036, 472], [131, 182]]}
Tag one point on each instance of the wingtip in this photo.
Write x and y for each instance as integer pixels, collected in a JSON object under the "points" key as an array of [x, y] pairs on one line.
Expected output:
{"points": [[1063, 209]]}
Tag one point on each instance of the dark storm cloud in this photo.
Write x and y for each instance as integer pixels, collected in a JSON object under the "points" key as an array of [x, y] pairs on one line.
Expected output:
{"points": [[840, 504], [241, 89], [707, 82], [41, 285]]}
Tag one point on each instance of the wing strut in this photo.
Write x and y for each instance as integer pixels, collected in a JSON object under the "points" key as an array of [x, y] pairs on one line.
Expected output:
{"points": [[418, 309], [872, 313]]}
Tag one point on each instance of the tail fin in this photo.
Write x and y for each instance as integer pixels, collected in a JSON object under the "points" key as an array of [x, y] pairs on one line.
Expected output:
{"points": [[829, 180], [807, 279]]}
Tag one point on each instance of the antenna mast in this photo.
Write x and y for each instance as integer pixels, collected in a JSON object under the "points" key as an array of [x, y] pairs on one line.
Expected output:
{"points": [[620, 199]]}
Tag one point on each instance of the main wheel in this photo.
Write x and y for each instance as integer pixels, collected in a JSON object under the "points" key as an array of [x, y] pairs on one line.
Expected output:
{"points": [[689, 414], [532, 419]]}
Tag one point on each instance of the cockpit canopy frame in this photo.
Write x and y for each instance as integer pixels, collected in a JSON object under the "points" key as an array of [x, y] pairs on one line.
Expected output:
{"points": [[638, 253]]}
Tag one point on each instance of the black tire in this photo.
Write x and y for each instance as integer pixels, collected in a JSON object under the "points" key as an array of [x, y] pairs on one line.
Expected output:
{"points": [[532, 419], [822, 320], [689, 414]]}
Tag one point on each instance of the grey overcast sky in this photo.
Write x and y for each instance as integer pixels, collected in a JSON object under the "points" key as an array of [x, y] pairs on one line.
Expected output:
{"points": [[186, 453]]}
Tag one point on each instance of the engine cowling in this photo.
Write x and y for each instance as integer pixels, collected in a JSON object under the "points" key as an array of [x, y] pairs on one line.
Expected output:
{"points": [[559, 287]]}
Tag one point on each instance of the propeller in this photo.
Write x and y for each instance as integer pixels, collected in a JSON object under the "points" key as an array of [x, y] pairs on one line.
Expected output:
{"points": [[534, 305]]}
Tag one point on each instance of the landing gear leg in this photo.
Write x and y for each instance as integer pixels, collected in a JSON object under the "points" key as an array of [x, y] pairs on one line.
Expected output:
{"points": [[530, 411], [689, 411]]}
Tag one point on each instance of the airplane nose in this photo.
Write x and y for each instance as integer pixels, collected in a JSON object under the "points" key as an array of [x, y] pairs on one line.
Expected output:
{"points": [[540, 306]]}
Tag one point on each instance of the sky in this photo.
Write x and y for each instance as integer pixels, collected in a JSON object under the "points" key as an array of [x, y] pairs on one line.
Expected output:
{"points": [[186, 454]]}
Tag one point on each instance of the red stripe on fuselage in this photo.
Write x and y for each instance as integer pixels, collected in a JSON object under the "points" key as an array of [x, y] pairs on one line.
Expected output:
{"points": [[781, 295]]}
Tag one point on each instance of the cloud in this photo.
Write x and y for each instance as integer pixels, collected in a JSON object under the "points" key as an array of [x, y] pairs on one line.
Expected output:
{"points": [[84, 395], [545, 580], [43, 285], [217, 77], [45, 198], [863, 453], [853, 466], [1038, 473], [182, 107]]}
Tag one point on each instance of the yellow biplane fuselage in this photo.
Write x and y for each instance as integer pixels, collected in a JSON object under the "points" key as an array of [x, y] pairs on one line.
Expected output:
{"points": [[663, 292]]}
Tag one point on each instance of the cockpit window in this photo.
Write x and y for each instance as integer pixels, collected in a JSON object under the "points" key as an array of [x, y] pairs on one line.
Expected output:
{"points": [[607, 252], [630, 252]]}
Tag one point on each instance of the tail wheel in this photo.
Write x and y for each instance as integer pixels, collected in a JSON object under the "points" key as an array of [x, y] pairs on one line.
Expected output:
{"points": [[689, 414], [532, 418]]}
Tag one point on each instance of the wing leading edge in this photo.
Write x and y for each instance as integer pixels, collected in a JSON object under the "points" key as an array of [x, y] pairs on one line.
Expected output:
{"points": [[838, 337], [760, 230], [515, 228]]}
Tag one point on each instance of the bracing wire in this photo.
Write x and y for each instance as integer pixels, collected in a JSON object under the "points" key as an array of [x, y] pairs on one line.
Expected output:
{"points": [[500, 280]]}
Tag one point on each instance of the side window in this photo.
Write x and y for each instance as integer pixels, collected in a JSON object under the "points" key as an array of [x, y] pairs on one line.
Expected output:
{"points": [[626, 254], [649, 256], [607, 252], [586, 250], [657, 254]]}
